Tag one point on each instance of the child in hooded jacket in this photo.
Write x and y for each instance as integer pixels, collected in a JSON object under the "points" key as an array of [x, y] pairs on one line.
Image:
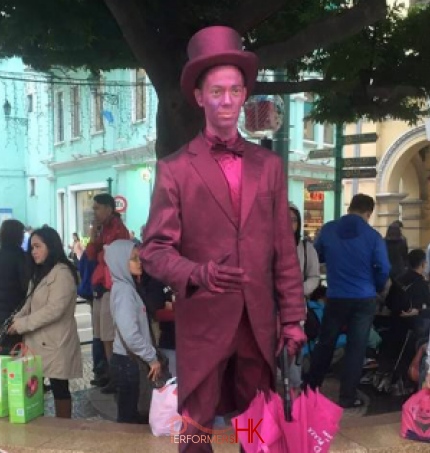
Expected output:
{"points": [[132, 334]]}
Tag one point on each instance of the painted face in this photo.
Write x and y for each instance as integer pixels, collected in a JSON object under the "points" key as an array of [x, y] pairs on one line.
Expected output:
{"points": [[39, 250], [101, 212], [294, 220], [221, 96], [134, 265]]}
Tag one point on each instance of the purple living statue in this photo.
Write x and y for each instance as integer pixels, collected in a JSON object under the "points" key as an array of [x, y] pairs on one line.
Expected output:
{"points": [[219, 234]]}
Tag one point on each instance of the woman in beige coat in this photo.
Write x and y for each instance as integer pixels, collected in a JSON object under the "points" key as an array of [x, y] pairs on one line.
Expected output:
{"points": [[47, 319]]}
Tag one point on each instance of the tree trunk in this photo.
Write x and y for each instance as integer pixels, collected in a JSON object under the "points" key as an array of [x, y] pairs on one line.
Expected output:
{"points": [[177, 121]]}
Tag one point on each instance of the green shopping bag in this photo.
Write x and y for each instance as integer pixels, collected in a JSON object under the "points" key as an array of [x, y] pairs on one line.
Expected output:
{"points": [[25, 388], [4, 406]]}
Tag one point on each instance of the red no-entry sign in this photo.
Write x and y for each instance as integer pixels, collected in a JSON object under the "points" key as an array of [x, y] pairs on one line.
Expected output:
{"points": [[120, 203]]}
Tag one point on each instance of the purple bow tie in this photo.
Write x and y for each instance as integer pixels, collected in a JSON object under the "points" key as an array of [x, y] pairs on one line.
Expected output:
{"points": [[235, 147]]}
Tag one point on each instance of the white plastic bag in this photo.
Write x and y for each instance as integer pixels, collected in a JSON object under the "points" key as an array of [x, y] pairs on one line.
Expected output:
{"points": [[164, 419]]}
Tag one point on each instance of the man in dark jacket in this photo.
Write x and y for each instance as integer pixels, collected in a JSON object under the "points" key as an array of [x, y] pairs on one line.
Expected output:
{"points": [[357, 269]]}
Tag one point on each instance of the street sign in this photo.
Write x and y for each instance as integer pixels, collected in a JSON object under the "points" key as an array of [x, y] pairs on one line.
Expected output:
{"points": [[353, 162], [322, 153], [120, 204], [352, 173], [321, 187], [360, 138]]}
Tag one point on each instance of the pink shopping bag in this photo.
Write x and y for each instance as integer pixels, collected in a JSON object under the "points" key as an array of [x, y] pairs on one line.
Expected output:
{"points": [[164, 419]]}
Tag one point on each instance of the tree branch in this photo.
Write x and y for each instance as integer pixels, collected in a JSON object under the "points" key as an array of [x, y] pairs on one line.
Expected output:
{"points": [[250, 13], [320, 35], [305, 86], [384, 92], [141, 39], [395, 92]]}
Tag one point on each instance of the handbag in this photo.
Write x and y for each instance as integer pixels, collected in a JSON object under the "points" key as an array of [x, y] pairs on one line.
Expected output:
{"points": [[164, 419], [4, 327]]}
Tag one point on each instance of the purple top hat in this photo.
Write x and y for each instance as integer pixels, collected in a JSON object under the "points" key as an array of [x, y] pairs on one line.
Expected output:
{"points": [[216, 46]]}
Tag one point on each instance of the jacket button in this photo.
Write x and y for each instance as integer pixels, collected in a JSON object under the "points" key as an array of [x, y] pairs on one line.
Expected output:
{"points": [[43, 344]]}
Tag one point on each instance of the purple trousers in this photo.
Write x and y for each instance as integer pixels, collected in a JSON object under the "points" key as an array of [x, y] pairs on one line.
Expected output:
{"points": [[244, 370]]}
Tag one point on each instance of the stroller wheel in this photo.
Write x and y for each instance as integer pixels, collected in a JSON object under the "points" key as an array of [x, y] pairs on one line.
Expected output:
{"points": [[368, 378], [384, 385]]}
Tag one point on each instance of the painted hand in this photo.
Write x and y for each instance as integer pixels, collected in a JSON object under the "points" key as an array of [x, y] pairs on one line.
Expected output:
{"points": [[293, 336], [218, 278]]}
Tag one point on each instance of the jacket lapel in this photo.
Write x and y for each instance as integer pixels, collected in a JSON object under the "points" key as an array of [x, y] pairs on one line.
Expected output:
{"points": [[252, 166], [211, 174]]}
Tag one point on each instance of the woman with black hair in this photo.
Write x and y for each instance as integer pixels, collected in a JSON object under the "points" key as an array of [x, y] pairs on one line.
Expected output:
{"points": [[13, 276], [47, 320]]}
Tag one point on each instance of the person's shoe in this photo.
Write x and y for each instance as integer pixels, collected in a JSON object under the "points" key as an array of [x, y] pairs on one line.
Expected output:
{"points": [[109, 388], [99, 381], [370, 364], [358, 402]]}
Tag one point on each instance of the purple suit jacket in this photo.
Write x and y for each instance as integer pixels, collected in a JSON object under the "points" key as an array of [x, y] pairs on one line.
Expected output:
{"points": [[191, 221]]}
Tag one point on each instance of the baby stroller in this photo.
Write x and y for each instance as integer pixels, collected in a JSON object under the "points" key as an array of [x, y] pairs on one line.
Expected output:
{"points": [[394, 381]]}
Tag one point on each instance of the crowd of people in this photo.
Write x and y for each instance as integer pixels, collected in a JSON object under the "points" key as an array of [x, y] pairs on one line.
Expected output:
{"points": [[221, 269]]}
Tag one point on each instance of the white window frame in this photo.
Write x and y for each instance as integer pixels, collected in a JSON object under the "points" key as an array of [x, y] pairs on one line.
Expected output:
{"points": [[308, 124], [61, 214], [325, 126], [32, 187], [30, 102], [135, 93], [97, 124], [75, 112], [59, 122], [71, 224]]}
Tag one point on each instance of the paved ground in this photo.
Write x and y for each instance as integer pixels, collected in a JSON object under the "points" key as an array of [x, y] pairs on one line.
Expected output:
{"points": [[89, 403]]}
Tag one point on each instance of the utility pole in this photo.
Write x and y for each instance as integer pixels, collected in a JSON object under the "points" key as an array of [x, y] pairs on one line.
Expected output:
{"points": [[338, 171], [281, 141]]}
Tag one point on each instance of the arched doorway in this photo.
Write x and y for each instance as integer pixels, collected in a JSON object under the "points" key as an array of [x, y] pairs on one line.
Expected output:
{"points": [[402, 186]]}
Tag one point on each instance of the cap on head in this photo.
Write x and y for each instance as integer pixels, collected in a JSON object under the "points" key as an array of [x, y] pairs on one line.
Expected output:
{"points": [[216, 46]]}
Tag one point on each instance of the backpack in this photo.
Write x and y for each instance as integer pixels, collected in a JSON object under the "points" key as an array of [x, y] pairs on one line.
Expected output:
{"points": [[86, 268]]}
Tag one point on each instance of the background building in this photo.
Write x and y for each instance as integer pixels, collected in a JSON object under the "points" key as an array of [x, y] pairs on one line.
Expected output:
{"points": [[71, 135]]}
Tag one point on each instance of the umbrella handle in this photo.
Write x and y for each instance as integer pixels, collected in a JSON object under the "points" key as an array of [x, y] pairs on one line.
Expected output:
{"points": [[285, 372]]}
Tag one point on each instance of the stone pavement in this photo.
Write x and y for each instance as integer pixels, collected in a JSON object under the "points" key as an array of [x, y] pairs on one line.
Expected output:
{"points": [[92, 431], [378, 434]]}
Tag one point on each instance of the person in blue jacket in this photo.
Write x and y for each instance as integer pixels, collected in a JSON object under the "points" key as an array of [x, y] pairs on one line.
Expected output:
{"points": [[357, 269]]}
